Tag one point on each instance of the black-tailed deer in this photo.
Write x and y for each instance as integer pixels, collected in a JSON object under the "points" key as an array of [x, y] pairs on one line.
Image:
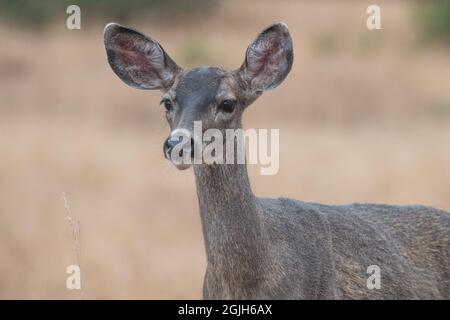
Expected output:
{"points": [[280, 248]]}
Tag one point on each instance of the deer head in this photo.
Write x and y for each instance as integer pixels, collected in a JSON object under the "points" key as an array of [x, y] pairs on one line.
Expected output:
{"points": [[212, 95]]}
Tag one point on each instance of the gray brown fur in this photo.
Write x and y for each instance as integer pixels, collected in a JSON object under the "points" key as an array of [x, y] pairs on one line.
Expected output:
{"points": [[282, 248]]}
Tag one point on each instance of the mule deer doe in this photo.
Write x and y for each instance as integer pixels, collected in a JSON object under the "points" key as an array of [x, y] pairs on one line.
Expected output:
{"points": [[280, 248]]}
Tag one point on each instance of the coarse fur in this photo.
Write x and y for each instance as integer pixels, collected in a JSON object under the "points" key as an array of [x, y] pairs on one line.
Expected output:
{"points": [[282, 248]]}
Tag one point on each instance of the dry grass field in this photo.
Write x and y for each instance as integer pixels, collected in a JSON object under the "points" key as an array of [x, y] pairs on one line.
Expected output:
{"points": [[364, 116]]}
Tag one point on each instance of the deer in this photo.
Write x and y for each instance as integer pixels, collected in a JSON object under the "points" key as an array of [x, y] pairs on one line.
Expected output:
{"points": [[280, 248]]}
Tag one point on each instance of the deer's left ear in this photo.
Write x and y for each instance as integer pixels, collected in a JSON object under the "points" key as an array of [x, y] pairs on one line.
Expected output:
{"points": [[268, 59], [138, 60]]}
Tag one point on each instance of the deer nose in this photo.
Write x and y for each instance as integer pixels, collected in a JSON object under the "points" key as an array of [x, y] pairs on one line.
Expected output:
{"points": [[171, 142], [184, 143]]}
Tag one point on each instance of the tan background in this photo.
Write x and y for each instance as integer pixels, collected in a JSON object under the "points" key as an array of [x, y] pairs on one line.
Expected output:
{"points": [[364, 117]]}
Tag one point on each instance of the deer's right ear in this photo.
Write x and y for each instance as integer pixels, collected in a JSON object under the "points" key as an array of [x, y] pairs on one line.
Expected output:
{"points": [[268, 59], [138, 60]]}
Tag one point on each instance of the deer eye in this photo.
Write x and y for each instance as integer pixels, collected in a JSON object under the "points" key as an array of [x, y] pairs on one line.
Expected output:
{"points": [[227, 106], [167, 104]]}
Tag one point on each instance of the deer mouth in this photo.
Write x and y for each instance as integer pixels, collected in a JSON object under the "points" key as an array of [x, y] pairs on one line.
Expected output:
{"points": [[182, 166], [180, 161], [181, 149]]}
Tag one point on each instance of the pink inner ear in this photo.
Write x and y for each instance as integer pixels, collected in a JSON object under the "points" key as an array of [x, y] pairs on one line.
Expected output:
{"points": [[139, 58], [265, 56]]}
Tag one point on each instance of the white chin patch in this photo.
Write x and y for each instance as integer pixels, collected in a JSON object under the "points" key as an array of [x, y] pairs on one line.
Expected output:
{"points": [[182, 166]]}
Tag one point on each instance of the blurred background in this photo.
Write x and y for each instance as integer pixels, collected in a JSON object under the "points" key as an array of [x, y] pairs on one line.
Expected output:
{"points": [[364, 116]]}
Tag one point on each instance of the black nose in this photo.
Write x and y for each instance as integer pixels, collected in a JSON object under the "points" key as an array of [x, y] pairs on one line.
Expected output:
{"points": [[171, 142]]}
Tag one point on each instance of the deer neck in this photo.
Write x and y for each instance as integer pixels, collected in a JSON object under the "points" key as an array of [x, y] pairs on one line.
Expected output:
{"points": [[230, 219]]}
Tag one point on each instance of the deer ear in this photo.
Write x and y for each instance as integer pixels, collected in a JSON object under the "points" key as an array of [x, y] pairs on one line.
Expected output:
{"points": [[138, 60], [268, 59]]}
